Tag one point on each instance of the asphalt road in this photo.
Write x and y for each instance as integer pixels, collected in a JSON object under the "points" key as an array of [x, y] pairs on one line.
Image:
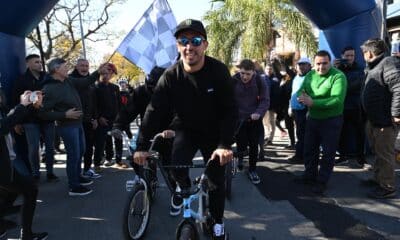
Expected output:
{"points": [[278, 208]]}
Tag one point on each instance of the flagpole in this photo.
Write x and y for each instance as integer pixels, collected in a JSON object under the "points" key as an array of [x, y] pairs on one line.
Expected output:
{"points": [[81, 26]]}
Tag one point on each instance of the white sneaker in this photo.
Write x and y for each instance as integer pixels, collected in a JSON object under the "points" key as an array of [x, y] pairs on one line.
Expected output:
{"points": [[218, 231], [91, 174]]}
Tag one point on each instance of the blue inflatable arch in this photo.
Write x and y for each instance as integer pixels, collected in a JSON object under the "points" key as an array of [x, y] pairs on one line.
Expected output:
{"points": [[342, 23]]}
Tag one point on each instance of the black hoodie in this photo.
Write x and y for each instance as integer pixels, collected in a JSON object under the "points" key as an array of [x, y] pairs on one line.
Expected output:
{"points": [[27, 82], [88, 99]]}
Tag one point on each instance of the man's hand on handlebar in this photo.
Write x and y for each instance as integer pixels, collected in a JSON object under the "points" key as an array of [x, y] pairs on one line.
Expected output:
{"points": [[225, 155], [168, 134], [140, 157]]}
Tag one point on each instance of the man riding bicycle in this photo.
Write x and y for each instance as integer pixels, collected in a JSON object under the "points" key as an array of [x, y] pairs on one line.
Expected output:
{"points": [[198, 93]]}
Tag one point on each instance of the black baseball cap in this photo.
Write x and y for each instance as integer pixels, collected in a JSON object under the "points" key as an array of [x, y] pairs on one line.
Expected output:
{"points": [[191, 24]]}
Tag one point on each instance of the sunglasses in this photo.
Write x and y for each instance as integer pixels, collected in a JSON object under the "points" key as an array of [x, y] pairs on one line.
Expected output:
{"points": [[196, 41]]}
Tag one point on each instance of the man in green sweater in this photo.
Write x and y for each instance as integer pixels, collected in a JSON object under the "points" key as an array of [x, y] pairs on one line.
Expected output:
{"points": [[323, 92]]}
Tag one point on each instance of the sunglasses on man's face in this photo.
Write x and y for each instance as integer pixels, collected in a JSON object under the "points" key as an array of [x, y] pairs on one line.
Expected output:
{"points": [[195, 41]]}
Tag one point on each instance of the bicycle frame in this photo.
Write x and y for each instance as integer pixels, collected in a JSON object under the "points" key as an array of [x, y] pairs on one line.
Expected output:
{"points": [[198, 194]]}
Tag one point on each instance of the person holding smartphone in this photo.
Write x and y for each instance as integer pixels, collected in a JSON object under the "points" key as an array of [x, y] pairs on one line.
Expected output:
{"points": [[13, 181], [352, 137]]}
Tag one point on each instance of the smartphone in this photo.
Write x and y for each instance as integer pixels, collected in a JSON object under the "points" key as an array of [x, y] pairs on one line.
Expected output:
{"points": [[343, 61], [33, 97]]}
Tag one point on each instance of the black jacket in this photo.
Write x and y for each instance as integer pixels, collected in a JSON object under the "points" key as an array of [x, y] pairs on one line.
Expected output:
{"points": [[355, 79], [61, 96], [137, 103], [381, 92], [201, 103], [108, 100], [6, 124], [27, 82], [88, 99]]}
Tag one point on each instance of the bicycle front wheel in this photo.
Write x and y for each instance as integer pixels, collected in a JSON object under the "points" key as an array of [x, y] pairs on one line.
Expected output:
{"points": [[187, 230], [137, 213]]}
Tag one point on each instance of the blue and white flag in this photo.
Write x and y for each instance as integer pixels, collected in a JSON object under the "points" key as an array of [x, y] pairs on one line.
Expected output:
{"points": [[151, 42]]}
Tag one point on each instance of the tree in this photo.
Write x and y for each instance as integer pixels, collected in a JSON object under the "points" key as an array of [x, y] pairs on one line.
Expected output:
{"points": [[125, 69], [61, 26], [249, 25]]}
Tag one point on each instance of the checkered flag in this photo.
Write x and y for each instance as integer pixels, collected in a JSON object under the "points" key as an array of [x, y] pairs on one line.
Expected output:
{"points": [[151, 42]]}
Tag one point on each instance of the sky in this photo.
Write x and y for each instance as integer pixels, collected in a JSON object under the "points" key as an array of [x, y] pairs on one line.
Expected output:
{"points": [[126, 16]]}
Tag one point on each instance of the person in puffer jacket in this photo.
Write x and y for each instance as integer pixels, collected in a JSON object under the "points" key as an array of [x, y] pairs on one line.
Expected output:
{"points": [[380, 99]]}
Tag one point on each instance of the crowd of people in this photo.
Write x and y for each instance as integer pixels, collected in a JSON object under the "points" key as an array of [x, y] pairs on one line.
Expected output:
{"points": [[331, 109]]}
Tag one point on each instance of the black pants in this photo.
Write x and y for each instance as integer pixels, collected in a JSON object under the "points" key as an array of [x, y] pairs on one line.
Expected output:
{"points": [[249, 136], [289, 124], [89, 140], [109, 148], [352, 137], [24, 185], [184, 149]]}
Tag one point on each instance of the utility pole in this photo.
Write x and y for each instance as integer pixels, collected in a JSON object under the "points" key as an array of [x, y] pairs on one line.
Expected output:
{"points": [[81, 25]]}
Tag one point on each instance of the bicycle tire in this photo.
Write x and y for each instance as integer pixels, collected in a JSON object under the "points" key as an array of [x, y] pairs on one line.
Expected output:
{"points": [[205, 227], [228, 180], [136, 215], [187, 230]]}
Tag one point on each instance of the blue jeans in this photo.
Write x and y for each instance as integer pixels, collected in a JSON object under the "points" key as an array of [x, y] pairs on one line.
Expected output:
{"points": [[74, 142], [300, 120], [324, 133], [33, 132]]}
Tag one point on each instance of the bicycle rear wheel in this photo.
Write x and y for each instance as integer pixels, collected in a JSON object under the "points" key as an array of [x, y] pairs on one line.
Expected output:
{"points": [[136, 213], [228, 180], [187, 230]]}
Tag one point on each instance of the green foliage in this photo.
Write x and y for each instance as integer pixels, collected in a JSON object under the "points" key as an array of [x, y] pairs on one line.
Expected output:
{"points": [[251, 24]]}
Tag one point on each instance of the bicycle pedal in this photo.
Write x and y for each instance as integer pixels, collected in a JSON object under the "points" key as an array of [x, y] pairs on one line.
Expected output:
{"points": [[196, 181]]}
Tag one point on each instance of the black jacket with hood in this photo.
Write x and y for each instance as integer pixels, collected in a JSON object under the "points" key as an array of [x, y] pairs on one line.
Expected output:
{"points": [[88, 99]]}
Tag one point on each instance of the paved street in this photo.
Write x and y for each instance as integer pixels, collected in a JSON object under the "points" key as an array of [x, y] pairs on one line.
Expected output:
{"points": [[278, 208]]}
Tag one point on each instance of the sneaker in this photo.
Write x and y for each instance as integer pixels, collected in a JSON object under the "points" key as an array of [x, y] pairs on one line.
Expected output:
{"points": [[218, 232], [382, 193], [34, 236], [122, 165], [341, 162], [356, 164], [295, 160], [98, 169], [84, 181], [108, 163], [52, 178], [290, 147], [3, 235], [254, 178], [319, 188], [176, 205], [90, 174], [80, 191]]}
